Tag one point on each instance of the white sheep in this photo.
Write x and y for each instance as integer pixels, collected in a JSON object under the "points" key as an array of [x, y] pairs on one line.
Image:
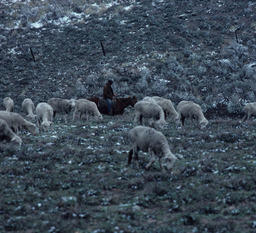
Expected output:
{"points": [[29, 108], [61, 106], [8, 104], [189, 109], [168, 107], [249, 110], [7, 133], [86, 107], [16, 122], [149, 99], [149, 110], [150, 140], [44, 112]]}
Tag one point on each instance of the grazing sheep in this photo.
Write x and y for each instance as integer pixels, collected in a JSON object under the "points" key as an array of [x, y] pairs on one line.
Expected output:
{"points": [[168, 107], [86, 107], [150, 140], [44, 112], [8, 104], [145, 109], [29, 108], [62, 106], [189, 109], [7, 133], [16, 122], [249, 110]]}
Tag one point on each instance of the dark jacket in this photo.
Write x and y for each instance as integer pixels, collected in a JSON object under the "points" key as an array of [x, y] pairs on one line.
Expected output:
{"points": [[108, 92]]}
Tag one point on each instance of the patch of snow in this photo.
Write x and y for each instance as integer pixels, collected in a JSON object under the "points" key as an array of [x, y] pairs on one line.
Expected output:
{"points": [[36, 25], [13, 51], [127, 8], [94, 126], [163, 80], [123, 22]]}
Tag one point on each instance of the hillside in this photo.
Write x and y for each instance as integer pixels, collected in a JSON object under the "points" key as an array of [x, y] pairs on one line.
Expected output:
{"points": [[177, 49], [73, 177]]}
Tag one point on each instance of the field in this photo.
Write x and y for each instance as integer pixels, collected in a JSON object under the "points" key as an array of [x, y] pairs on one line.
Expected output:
{"points": [[74, 178]]}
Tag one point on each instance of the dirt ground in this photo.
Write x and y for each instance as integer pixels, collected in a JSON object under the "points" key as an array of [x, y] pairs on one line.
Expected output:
{"points": [[74, 178]]}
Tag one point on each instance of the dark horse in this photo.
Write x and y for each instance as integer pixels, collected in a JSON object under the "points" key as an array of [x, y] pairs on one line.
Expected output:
{"points": [[119, 104]]}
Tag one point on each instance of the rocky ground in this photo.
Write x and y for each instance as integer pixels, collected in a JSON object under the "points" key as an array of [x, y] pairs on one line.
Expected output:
{"points": [[74, 178]]}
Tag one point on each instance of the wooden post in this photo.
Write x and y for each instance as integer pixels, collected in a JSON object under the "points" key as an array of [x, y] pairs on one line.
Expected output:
{"points": [[32, 54], [102, 47]]}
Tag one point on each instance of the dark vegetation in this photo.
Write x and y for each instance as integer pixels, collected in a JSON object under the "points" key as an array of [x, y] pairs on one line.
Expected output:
{"points": [[74, 177]]}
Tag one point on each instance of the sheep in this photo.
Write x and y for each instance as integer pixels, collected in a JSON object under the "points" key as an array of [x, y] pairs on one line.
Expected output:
{"points": [[149, 99], [44, 112], [62, 106], [7, 133], [8, 104], [189, 109], [87, 107], [145, 109], [249, 110], [17, 122], [168, 107], [29, 108], [150, 140]]}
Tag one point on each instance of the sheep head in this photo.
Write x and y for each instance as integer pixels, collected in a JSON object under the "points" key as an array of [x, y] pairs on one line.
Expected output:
{"points": [[168, 161], [17, 139], [203, 123], [32, 128]]}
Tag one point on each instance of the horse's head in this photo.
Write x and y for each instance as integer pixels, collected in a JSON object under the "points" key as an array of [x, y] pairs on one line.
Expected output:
{"points": [[133, 100], [95, 100]]}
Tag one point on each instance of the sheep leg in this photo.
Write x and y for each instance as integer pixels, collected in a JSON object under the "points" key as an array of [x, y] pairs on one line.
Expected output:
{"points": [[152, 160], [244, 118], [74, 115], [150, 163], [137, 117], [136, 153], [141, 119], [130, 156], [182, 118], [160, 164], [165, 115], [66, 119]]}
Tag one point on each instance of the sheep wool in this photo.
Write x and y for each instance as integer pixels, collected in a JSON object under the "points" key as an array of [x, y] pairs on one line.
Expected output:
{"points": [[87, 108], [7, 133], [149, 110], [150, 140], [44, 112], [8, 104], [28, 107], [16, 122], [191, 110], [249, 110]]}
